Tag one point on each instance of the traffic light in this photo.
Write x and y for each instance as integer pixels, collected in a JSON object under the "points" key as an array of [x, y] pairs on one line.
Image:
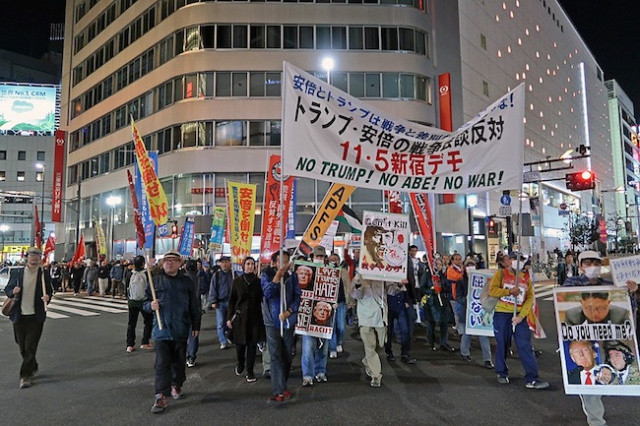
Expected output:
{"points": [[174, 230], [579, 181]]}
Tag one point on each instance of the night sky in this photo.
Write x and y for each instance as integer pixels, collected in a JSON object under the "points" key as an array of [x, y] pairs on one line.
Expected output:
{"points": [[611, 29]]}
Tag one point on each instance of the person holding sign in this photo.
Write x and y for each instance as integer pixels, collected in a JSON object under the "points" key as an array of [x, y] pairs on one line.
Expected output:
{"points": [[315, 350], [518, 291], [589, 265]]}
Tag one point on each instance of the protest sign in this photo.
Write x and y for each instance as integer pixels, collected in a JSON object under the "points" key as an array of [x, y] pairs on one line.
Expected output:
{"points": [[272, 219], [597, 340], [217, 229], [624, 269], [145, 214], [384, 253], [327, 240], [319, 287], [187, 237], [478, 322], [332, 136], [242, 210]]}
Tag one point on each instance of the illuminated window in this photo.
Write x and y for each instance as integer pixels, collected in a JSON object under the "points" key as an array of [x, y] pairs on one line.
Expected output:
{"points": [[21, 176]]}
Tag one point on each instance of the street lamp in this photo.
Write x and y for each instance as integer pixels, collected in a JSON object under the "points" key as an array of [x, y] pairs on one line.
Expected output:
{"points": [[3, 228], [328, 64], [41, 166], [113, 201]]}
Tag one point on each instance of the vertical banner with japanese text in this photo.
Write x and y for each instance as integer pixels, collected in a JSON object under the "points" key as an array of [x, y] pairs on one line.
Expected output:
{"points": [[332, 136], [331, 205], [101, 240], [422, 213], [58, 176], [217, 229], [272, 219], [242, 210], [478, 322], [385, 251], [597, 340], [319, 287], [145, 214], [187, 237]]}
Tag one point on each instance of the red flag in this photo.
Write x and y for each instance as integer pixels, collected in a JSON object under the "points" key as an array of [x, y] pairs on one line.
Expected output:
{"points": [[137, 218], [395, 203], [80, 253], [38, 229], [50, 246]]}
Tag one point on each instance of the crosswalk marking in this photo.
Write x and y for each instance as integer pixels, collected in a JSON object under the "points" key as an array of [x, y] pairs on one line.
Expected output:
{"points": [[103, 299], [99, 302], [57, 307], [55, 315], [89, 306]]}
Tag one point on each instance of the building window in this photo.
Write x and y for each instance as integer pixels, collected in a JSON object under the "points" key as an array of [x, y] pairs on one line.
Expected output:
{"points": [[3, 155], [40, 156], [485, 88], [483, 41], [22, 155], [20, 176], [3, 176], [39, 176]]}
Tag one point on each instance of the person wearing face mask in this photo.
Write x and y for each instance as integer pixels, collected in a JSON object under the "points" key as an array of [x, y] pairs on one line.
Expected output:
{"points": [[314, 349], [589, 264], [518, 291]]}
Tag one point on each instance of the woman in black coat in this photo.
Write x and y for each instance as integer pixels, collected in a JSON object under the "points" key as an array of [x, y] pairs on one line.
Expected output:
{"points": [[248, 327]]}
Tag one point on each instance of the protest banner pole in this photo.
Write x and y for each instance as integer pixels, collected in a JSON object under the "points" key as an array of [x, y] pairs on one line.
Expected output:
{"points": [[283, 291], [153, 288], [519, 237]]}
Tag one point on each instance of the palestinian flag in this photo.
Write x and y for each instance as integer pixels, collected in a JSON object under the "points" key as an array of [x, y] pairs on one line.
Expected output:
{"points": [[349, 218]]}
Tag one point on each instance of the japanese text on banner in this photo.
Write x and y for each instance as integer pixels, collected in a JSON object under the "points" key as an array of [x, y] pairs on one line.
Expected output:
{"points": [[242, 208]]}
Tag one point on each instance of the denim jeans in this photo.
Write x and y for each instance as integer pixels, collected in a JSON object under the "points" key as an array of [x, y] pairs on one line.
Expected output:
{"points": [[170, 365], [403, 325], [465, 346], [280, 349], [193, 343], [89, 287], [504, 332], [314, 356], [339, 328], [221, 321]]}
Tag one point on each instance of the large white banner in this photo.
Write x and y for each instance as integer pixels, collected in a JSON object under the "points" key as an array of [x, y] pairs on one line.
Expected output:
{"points": [[332, 136]]}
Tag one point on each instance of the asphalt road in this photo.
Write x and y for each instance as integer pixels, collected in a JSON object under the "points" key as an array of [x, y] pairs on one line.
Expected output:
{"points": [[86, 378]]}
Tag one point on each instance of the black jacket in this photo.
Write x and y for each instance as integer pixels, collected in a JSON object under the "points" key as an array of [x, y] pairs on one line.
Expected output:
{"points": [[16, 280], [246, 298]]}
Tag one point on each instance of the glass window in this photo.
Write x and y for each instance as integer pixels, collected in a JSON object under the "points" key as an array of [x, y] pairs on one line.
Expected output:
{"points": [[323, 37], [179, 43], [257, 39], [223, 36], [390, 85], [190, 86], [176, 137], [3, 176], [339, 37], [193, 39], [407, 39], [223, 84], [256, 84], [164, 141], [208, 36], [372, 88], [230, 133], [421, 89], [205, 133], [273, 83], [22, 155], [355, 38], [273, 37], [39, 176], [257, 133], [274, 131], [189, 134], [240, 36], [371, 38], [205, 84], [3, 155], [306, 37], [356, 84], [389, 38], [290, 37], [421, 42], [407, 89], [178, 90], [239, 84], [339, 80], [40, 156], [104, 162]]}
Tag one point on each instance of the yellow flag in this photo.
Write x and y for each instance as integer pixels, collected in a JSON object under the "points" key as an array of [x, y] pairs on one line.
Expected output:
{"points": [[242, 210]]}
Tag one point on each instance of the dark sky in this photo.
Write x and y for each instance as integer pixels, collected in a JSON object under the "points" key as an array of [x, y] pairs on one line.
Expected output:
{"points": [[611, 29]]}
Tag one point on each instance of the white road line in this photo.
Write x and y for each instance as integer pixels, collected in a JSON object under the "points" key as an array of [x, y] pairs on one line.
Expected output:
{"points": [[54, 315], [54, 305], [96, 302], [104, 299], [90, 306], [549, 298]]}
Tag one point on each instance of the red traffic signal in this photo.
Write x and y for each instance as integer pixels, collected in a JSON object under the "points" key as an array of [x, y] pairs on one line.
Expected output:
{"points": [[580, 181]]}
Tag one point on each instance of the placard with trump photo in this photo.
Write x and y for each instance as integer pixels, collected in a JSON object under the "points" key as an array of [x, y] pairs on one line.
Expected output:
{"points": [[384, 253], [319, 287], [597, 340]]}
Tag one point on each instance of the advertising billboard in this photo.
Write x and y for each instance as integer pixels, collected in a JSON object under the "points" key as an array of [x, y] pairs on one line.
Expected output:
{"points": [[27, 109]]}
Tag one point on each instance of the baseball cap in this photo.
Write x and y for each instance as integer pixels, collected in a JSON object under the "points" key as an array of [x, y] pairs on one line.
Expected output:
{"points": [[173, 254], [588, 254], [34, 250], [319, 251], [225, 258]]}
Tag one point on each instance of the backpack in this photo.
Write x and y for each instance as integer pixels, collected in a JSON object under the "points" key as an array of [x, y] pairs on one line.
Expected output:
{"points": [[489, 302], [137, 286]]}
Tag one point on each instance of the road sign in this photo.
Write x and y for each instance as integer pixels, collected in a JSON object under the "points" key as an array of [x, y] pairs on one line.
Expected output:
{"points": [[532, 176], [505, 210], [563, 206], [505, 200]]}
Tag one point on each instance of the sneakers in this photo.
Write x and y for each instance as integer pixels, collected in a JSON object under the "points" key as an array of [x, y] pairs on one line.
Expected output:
{"points": [[148, 347], [191, 362], [25, 383], [251, 377], [407, 359], [286, 394], [375, 382], [536, 384], [467, 358], [261, 346], [239, 370], [489, 365], [160, 404], [339, 349], [277, 398], [224, 346], [391, 358], [447, 348], [266, 374], [307, 382], [333, 354], [321, 377], [367, 371], [503, 380], [433, 348], [176, 392]]}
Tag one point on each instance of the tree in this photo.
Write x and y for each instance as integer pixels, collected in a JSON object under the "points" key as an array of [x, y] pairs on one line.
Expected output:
{"points": [[582, 230], [622, 238]]}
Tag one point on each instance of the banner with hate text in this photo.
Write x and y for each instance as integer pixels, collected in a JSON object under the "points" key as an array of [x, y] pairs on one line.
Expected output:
{"points": [[319, 287]]}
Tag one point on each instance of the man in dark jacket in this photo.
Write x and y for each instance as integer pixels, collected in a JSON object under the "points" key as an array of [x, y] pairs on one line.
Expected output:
{"points": [[219, 297], [179, 307], [28, 288]]}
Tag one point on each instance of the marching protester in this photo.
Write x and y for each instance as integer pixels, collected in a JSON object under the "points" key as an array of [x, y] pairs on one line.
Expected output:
{"points": [[417, 278], [455, 280], [179, 307], [137, 290], [103, 277], [344, 296], [314, 349], [244, 318], [77, 275], [437, 308], [589, 267], [566, 269], [277, 314], [510, 291], [219, 297], [30, 289], [204, 283], [399, 302], [116, 273], [90, 277]]}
